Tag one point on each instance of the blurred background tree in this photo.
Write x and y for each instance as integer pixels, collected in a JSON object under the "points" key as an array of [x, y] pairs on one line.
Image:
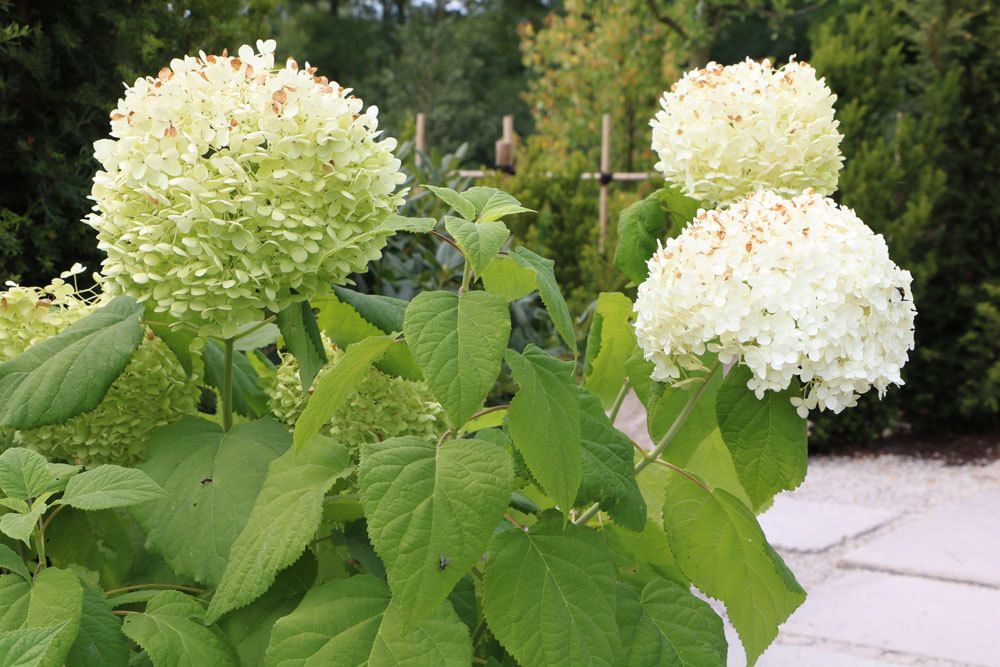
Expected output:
{"points": [[917, 101]]}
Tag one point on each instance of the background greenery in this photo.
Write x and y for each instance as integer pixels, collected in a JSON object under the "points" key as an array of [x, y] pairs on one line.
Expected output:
{"points": [[917, 101]]}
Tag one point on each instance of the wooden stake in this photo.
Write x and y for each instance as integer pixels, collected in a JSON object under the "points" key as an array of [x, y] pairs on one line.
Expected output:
{"points": [[505, 146], [421, 137], [602, 205]]}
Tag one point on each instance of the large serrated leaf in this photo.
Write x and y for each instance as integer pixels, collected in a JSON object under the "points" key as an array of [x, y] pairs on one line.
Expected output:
{"points": [[211, 479], [493, 204], [549, 595], [458, 342], [336, 386], [459, 203], [99, 642], [10, 561], [479, 241], [20, 526], [69, 373], [56, 599], [508, 279], [345, 325], [385, 312], [549, 290], [667, 626], [431, 512], [15, 594], [24, 474], [354, 622], [610, 344], [28, 647], [660, 215], [173, 633], [766, 437], [249, 628], [100, 541], [297, 324], [110, 486], [643, 556], [607, 462], [720, 547], [284, 520], [544, 422]]}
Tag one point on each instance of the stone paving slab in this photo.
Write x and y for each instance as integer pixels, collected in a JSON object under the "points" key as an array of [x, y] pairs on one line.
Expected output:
{"points": [[950, 621], [792, 651], [632, 421], [959, 541], [810, 526]]}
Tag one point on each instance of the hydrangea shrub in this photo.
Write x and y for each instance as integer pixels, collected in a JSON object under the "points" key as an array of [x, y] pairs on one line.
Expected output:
{"points": [[324, 511]]}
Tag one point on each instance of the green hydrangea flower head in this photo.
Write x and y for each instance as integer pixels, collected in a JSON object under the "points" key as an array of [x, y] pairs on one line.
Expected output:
{"points": [[153, 391], [384, 406], [230, 186]]}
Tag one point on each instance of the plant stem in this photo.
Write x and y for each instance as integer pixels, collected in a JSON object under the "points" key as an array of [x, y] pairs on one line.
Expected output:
{"points": [[227, 384], [466, 277], [619, 400], [40, 545], [665, 440], [52, 515], [154, 587]]}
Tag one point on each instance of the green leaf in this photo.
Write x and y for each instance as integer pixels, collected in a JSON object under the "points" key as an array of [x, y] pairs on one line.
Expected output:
{"points": [[15, 594], [24, 474], [283, 522], [669, 626], [110, 486], [644, 556], [493, 419], [98, 541], [28, 647], [610, 344], [548, 288], [549, 595], [385, 312], [172, 632], [61, 474], [431, 511], [458, 342], [99, 641], [56, 599], [344, 325], [766, 437], [337, 385], [21, 526], [249, 628], [297, 324], [544, 422], [720, 547], [480, 242], [178, 340], [10, 561], [355, 622], [492, 204], [460, 204], [607, 461], [69, 373], [249, 399], [661, 215], [255, 336], [697, 446], [506, 278], [15, 504], [463, 601], [211, 479], [399, 223]]}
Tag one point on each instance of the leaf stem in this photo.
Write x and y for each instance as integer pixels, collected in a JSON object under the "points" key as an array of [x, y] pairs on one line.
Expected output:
{"points": [[227, 384], [466, 277], [619, 400], [154, 587], [665, 440], [40, 545], [52, 515]]}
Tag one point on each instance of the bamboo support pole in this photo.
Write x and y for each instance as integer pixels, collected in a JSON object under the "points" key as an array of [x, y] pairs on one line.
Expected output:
{"points": [[421, 137], [602, 204]]}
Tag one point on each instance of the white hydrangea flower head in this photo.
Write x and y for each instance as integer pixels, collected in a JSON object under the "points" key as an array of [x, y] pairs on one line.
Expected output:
{"points": [[792, 288], [724, 132], [153, 391], [383, 406], [231, 186]]}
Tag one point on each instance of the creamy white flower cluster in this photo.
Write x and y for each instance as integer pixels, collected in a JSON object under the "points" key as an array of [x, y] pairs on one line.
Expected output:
{"points": [[725, 132], [793, 287], [230, 186]]}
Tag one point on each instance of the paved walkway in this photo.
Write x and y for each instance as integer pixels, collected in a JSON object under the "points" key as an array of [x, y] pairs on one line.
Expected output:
{"points": [[900, 557]]}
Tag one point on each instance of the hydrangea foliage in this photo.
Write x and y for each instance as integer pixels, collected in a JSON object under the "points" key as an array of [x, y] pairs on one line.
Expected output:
{"points": [[798, 287], [724, 132], [154, 389], [384, 406], [230, 186]]}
